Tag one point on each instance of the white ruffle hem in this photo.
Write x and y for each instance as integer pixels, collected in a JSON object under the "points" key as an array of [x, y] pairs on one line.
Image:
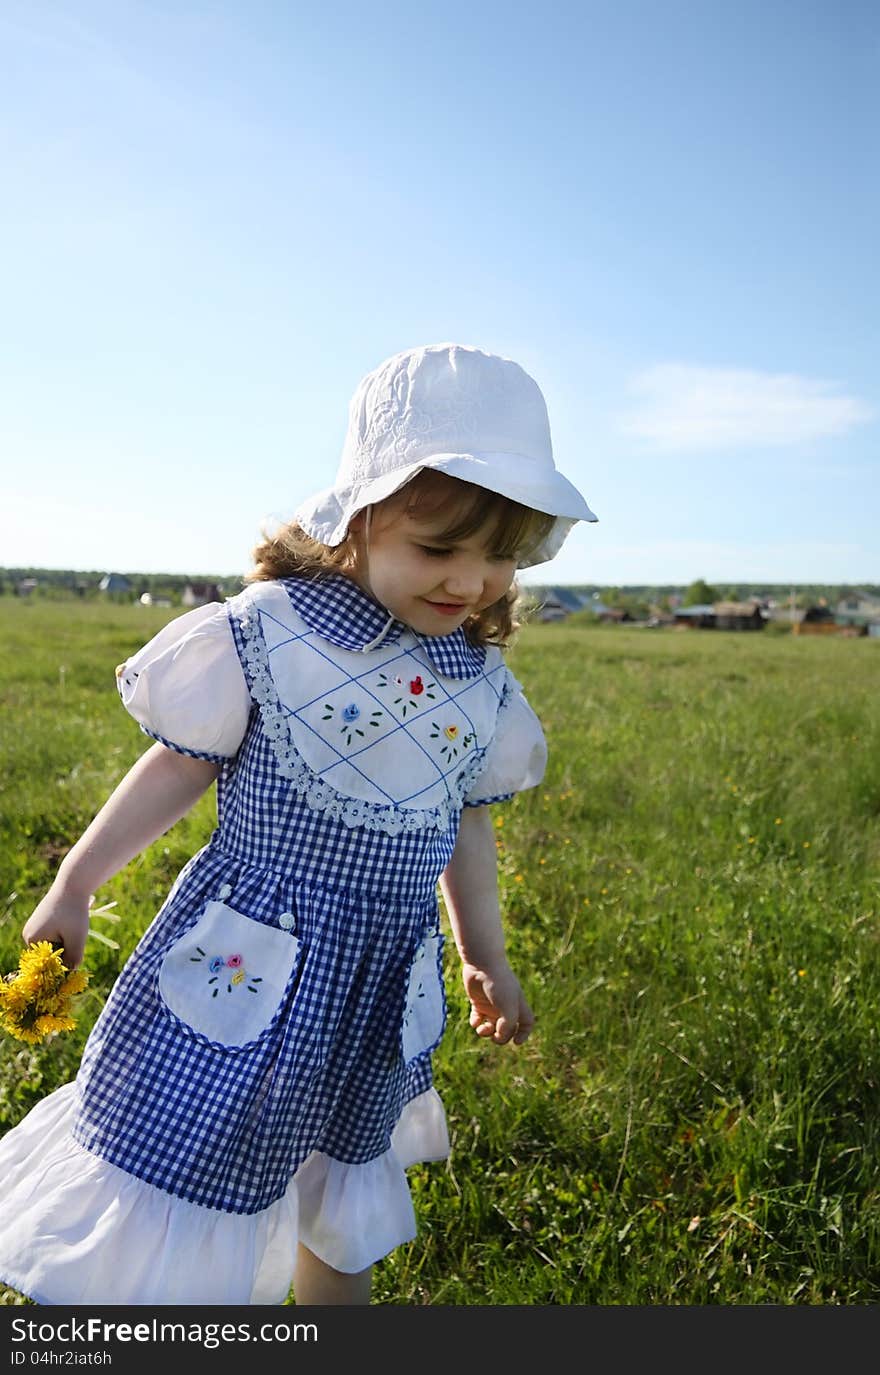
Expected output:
{"points": [[76, 1229]]}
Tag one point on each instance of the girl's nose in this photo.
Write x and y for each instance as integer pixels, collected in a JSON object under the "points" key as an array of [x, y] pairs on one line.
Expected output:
{"points": [[466, 582]]}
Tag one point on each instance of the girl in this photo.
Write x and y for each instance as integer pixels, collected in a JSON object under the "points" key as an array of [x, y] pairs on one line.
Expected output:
{"points": [[260, 1077]]}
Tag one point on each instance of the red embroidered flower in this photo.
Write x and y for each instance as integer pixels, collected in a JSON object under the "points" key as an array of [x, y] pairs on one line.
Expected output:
{"points": [[235, 962], [416, 686]]}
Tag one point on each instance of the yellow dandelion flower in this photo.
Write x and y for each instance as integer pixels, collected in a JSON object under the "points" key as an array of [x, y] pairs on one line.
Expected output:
{"points": [[40, 969], [75, 982], [23, 1033], [13, 1000], [806, 845], [778, 821], [801, 973], [51, 1021], [517, 878], [35, 998]]}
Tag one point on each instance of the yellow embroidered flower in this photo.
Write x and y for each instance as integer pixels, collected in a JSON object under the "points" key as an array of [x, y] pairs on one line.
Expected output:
{"points": [[35, 998]]}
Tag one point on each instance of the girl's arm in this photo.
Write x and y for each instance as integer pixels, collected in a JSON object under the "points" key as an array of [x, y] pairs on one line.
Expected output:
{"points": [[469, 885], [157, 791]]}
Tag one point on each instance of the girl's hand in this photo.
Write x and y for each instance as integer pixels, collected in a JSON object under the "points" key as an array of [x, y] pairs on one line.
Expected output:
{"points": [[62, 918], [498, 1006]]}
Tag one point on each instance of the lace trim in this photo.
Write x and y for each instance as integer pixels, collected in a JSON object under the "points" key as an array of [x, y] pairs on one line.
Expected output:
{"points": [[318, 794]]}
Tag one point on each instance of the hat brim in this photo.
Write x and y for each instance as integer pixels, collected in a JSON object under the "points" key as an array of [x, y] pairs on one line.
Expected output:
{"points": [[326, 515]]}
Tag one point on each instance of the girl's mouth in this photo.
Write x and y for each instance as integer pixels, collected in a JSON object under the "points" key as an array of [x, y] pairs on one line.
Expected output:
{"points": [[447, 608]]}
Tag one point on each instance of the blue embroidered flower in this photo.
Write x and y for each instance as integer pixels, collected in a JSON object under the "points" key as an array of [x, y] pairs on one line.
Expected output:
{"points": [[218, 962], [349, 715]]}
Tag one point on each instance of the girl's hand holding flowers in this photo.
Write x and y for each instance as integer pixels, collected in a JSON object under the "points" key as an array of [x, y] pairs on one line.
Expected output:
{"points": [[61, 918], [35, 999]]}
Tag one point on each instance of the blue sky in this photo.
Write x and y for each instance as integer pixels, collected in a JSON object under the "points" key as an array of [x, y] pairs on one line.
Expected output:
{"points": [[216, 217]]}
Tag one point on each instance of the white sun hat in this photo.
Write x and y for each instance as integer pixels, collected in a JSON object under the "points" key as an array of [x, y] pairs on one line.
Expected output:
{"points": [[456, 409]]}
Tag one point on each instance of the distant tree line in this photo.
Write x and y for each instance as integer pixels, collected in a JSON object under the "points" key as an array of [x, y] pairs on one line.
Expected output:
{"points": [[641, 599], [638, 599], [84, 585]]}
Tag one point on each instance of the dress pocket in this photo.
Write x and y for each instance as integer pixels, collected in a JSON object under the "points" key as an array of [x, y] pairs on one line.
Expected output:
{"points": [[424, 1019], [226, 976]]}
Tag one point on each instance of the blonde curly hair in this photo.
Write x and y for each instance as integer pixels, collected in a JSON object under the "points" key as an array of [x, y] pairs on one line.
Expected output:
{"points": [[513, 530]]}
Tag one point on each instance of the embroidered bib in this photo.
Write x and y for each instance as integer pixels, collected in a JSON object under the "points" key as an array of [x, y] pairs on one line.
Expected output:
{"points": [[378, 739]]}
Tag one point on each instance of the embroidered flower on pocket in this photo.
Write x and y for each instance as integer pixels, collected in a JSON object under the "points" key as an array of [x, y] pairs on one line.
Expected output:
{"points": [[200, 985], [236, 976]]}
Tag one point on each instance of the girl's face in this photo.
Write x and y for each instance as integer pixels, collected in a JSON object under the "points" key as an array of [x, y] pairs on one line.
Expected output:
{"points": [[421, 578]]}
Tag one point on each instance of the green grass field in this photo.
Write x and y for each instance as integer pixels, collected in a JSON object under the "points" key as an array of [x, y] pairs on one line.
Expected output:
{"points": [[692, 900]]}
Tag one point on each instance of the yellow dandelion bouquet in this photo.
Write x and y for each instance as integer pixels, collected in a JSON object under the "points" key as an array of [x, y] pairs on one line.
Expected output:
{"points": [[35, 998]]}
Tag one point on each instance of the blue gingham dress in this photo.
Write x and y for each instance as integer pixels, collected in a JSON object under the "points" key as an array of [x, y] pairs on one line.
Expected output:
{"points": [[288, 995]]}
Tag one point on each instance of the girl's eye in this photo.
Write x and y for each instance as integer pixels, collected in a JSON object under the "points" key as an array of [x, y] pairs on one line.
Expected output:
{"points": [[434, 553]]}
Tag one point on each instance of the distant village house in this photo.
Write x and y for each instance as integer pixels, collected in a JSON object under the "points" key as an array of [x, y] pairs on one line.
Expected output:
{"points": [[115, 584], [861, 611], [700, 616], [558, 602], [721, 616], [858, 606], [738, 616], [200, 594]]}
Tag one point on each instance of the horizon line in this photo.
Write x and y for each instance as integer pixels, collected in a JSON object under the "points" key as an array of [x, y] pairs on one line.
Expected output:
{"points": [[225, 577]]}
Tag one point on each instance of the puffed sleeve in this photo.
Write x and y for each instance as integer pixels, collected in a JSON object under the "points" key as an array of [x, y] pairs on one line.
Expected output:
{"points": [[186, 686], [517, 755]]}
